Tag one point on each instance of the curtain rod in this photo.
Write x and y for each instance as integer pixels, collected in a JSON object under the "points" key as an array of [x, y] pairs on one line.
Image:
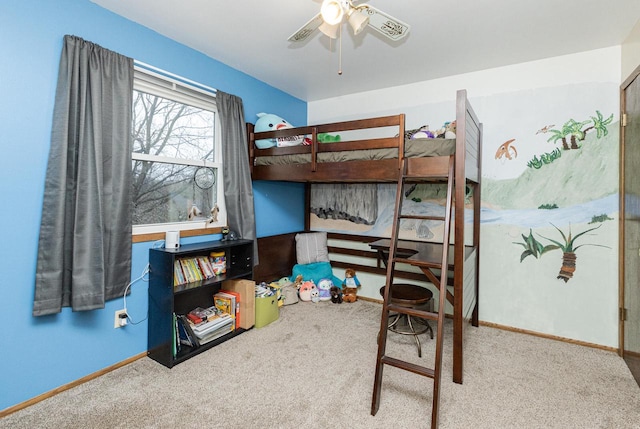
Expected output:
{"points": [[140, 64]]}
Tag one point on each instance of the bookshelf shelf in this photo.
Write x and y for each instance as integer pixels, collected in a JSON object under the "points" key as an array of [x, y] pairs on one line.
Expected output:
{"points": [[167, 299]]}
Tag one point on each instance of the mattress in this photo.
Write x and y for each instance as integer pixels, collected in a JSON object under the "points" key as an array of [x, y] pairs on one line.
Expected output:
{"points": [[413, 149]]}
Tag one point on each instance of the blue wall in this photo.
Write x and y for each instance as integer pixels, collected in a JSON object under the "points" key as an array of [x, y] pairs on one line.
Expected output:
{"points": [[43, 353]]}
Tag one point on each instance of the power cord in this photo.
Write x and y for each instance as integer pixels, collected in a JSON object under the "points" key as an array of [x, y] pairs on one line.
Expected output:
{"points": [[124, 295]]}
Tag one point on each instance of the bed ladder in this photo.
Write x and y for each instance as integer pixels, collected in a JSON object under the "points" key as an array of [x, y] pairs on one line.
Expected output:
{"points": [[406, 176]]}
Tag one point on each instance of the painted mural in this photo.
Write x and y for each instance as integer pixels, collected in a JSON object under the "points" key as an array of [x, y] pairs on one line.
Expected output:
{"points": [[571, 136]]}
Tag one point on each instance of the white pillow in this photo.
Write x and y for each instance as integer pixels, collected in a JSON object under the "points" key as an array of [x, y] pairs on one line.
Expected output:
{"points": [[311, 247]]}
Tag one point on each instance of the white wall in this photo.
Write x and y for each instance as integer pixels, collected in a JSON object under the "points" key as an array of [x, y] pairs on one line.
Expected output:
{"points": [[631, 52], [515, 101]]}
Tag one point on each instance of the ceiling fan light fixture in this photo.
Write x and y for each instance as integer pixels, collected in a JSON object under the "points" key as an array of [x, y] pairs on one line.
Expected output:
{"points": [[332, 12], [358, 20], [329, 30]]}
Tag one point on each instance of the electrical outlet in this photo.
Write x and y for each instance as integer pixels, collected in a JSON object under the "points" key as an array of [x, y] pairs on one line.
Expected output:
{"points": [[120, 319]]}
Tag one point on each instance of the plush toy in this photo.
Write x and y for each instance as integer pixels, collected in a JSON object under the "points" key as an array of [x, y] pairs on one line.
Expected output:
{"points": [[448, 131], [271, 122], [280, 286], [306, 289], [324, 287], [194, 212], [328, 138], [336, 294], [214, 214], [350, 286], [423, 133], [289, 294], [315, 295]]}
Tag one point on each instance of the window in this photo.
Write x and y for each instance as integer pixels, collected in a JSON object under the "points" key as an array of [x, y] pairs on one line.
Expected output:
{"points": [[176, 159]]}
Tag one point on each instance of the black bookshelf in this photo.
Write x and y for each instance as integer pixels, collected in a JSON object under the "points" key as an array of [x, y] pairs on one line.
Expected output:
{"points": [[167, 299]]}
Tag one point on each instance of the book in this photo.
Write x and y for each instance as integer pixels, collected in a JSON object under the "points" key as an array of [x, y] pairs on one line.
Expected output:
{"points": [[226, 304], [178, 275], [188, 274], [175, 346], [197, 274], [187, 327], [217, 333], [183, 334], [237, 298], [202, 329], [205, 267]]}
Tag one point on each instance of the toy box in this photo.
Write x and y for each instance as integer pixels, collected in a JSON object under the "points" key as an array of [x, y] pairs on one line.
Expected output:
{"points": [[267, 310]]}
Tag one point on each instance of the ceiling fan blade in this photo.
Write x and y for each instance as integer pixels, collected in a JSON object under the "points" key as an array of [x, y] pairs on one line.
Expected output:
{"points": [[391, 27], [307, 30]]}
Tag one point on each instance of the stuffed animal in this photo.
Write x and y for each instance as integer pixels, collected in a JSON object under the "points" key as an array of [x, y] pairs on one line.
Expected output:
{"points": [[448, 131], [350, 286], [423, 133], [328, 138], [315, 295], [194, 212], [306, 289], [271, 122], [214, 214], [324, 287], [289, 294], [336, 294]]}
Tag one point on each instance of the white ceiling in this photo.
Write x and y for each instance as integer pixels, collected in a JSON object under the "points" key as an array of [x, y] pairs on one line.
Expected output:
{"points": [[447, 37]]}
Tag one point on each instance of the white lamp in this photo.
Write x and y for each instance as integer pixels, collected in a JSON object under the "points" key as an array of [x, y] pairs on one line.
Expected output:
{"points": [[358, 20], [332, 12], [330, 30]]}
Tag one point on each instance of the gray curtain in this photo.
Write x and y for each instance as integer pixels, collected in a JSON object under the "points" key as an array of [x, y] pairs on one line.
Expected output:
{"points": [[238, 189], [84, 253]]}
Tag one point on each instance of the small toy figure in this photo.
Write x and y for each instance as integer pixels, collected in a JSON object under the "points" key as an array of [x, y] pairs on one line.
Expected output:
{"points": [[336, 294], [193, 212], [350, 286], [214, 214], [315, 295], [324, 287]]}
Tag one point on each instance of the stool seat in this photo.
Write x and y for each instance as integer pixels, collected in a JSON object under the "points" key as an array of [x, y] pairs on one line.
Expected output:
{"points": [[412, 296], [408, 295]]}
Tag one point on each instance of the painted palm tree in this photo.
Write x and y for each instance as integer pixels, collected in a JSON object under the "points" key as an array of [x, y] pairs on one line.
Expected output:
{"points": [[558, 135], [574, 129], [568, 251], [600, 124]]}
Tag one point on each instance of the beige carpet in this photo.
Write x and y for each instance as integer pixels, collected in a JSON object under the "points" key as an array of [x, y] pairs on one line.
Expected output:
{"points": [[313, 368]]}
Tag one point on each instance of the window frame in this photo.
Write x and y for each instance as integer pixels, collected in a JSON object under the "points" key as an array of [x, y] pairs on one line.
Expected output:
{"points": [[196, 95]]}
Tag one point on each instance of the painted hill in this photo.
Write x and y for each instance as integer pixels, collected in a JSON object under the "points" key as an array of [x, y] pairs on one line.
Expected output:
{"points": [[578, 176]]}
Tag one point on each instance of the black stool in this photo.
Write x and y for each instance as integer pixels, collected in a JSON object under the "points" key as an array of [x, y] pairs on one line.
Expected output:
{"points": [[412, 296]]}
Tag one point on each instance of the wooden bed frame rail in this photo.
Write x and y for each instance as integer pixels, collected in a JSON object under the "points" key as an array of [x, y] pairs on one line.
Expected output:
{"points": [[372, 171]]}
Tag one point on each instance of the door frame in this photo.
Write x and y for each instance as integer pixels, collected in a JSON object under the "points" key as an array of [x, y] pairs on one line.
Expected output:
{"points": [[621, 217]]}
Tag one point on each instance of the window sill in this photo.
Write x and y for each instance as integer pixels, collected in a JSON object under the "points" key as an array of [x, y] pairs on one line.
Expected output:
{"points": [[141, 238]]}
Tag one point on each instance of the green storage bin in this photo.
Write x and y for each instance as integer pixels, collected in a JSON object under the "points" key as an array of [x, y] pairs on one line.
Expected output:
{"points": [[267, 310]]}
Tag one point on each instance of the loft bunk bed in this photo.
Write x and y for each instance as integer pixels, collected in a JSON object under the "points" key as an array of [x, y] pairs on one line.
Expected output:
{"points": [[375, 155]]}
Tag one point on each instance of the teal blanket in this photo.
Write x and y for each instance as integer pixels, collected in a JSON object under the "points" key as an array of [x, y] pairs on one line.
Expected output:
{"points": [[315, 271]]}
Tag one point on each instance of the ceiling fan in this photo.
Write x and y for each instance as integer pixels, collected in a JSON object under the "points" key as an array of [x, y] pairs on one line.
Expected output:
{"points": [[333, 13]]}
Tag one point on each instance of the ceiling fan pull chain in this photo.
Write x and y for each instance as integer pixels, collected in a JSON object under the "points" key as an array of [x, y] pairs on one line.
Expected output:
{"points": [[340, 52]]}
